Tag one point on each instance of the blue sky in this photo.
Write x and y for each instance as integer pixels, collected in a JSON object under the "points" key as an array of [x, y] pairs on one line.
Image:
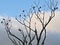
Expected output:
{"points": [[14, 7]]}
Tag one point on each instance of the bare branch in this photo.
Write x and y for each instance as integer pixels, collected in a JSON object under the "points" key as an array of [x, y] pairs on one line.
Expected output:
{"points": [[24, 24]]}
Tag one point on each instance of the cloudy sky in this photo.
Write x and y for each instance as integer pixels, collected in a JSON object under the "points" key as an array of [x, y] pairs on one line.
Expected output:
{"points": [[12, 8]]}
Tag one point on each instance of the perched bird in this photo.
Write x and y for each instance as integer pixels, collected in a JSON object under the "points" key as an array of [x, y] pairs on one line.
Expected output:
{"points": [[23, 11], [20, 15], [33, 7], [19, 29], [24, 15], [55, 8], [7, 23], [9, 20], [39, 9], [3, 19]]}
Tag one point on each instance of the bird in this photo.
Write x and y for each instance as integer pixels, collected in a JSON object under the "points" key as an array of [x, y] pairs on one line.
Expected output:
{"points": [[55, 8], [19, 29], [3, 19], [23, 11], [33, 7], [20, 15]]}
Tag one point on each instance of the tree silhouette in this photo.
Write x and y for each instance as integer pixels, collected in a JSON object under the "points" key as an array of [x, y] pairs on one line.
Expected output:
{"points": [[34, 10]]}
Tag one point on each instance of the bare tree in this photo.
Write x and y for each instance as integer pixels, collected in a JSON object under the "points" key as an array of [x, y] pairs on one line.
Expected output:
{"points": [[34, 10]]}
